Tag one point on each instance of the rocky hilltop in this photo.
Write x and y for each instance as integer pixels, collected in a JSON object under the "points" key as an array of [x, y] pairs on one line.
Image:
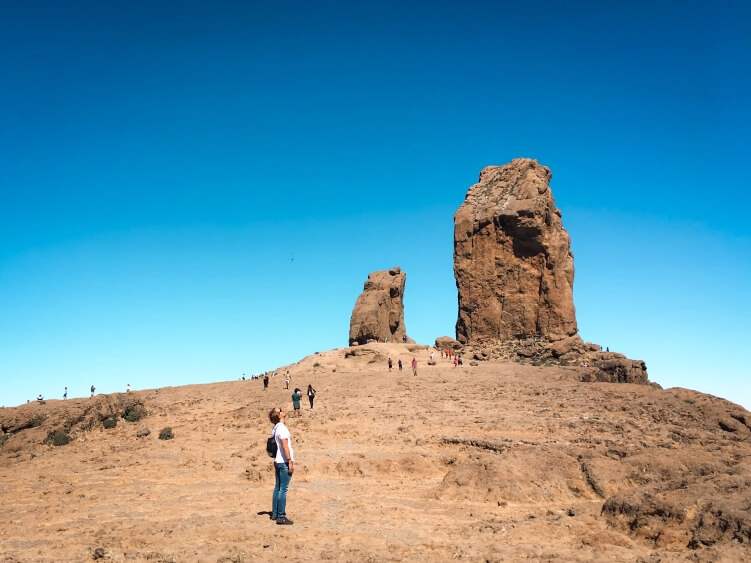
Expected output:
{"points": [[514, 273], [500, 461], [379, 310]]}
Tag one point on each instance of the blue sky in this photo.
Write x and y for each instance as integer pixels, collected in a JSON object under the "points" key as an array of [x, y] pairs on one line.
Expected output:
{"points": [[192, 191]]}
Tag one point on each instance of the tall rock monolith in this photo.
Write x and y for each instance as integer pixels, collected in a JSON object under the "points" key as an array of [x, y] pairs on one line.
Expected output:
{"points": [[512, 258], [379, 310], [514, 274]]}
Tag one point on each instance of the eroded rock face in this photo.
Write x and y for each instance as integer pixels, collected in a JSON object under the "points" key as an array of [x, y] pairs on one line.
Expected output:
{"points": [[379, 310], [515, 274], [513, 264]]}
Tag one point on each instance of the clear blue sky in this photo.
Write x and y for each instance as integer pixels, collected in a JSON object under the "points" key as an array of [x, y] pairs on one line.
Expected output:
{"points": [[190, 191]]}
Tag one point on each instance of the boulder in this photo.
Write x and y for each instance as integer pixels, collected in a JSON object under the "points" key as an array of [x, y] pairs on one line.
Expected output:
{"points": [[566, 345], [379, 310], [446, 342], [616, 368]]}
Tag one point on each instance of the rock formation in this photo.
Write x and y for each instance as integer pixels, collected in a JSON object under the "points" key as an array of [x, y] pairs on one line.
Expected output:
{"points": [[379, 310], [512, 258], [515, 274]]}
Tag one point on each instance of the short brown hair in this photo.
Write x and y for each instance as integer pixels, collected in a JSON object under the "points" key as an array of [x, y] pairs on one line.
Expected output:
{"points": [[274, 415]]}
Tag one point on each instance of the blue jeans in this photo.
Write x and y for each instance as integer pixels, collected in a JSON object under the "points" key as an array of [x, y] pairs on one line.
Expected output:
{"points": [[281, 484]]}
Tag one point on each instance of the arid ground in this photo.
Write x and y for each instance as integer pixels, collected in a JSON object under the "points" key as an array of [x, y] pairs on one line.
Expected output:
{"points": [[493, 462]]}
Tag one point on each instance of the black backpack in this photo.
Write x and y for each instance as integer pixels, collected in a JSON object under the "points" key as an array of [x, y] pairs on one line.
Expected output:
{"points": [[271, 447]]}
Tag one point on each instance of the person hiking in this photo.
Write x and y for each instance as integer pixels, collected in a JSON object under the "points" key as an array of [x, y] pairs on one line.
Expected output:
{"points": [[414, 366], [266, 382], [391, 364], [311, 395], [284, 466], [399, 363], [296, 397]]}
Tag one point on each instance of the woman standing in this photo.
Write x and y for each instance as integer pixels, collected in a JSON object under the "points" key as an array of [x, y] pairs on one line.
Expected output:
{"points": [[283, 466], [311, 395], [296, 396]]}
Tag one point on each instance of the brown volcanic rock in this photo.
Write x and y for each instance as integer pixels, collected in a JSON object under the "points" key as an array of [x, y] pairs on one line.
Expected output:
{"points": [[379, 310], [515, 273], [512, 258]]}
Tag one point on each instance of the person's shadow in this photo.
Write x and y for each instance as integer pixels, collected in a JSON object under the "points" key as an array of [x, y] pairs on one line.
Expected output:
{"points": [[265, 513]]}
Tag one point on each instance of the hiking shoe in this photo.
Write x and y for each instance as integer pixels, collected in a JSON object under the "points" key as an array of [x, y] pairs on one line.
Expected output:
{"points": [[284, 521], [272, 516]]}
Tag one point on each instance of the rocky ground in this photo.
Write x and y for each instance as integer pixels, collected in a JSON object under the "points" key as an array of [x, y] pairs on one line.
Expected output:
{"points": [[494, 462]]}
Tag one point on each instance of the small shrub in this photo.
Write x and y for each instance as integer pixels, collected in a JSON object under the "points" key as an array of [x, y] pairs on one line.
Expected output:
{"points": [[316, 365], [564, 362], [38, 420], [333, 370], [349, 354], [3, 439], [166, 433], [58, 437], [109, 422], [133, 413], [689, 401]]}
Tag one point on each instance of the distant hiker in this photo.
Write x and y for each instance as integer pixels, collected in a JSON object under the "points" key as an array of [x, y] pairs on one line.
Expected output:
{"points": [[607, 349], [399, 363], [432, 354], [40, 398], [65, 395], [283, 466], [127, 388], [459, 360], [92, 390], [456, 361], [265, 382], [441, 353], [296, 396], [404, 338], [391, 364], [287, 380], [414, 366], [311, 395]]}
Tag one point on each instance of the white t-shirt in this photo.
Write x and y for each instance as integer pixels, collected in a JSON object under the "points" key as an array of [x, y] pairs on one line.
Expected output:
{"points": [[280, 432]]}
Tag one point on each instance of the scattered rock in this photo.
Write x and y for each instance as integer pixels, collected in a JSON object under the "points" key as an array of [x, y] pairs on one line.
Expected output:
{"points": [[143, 432]]}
